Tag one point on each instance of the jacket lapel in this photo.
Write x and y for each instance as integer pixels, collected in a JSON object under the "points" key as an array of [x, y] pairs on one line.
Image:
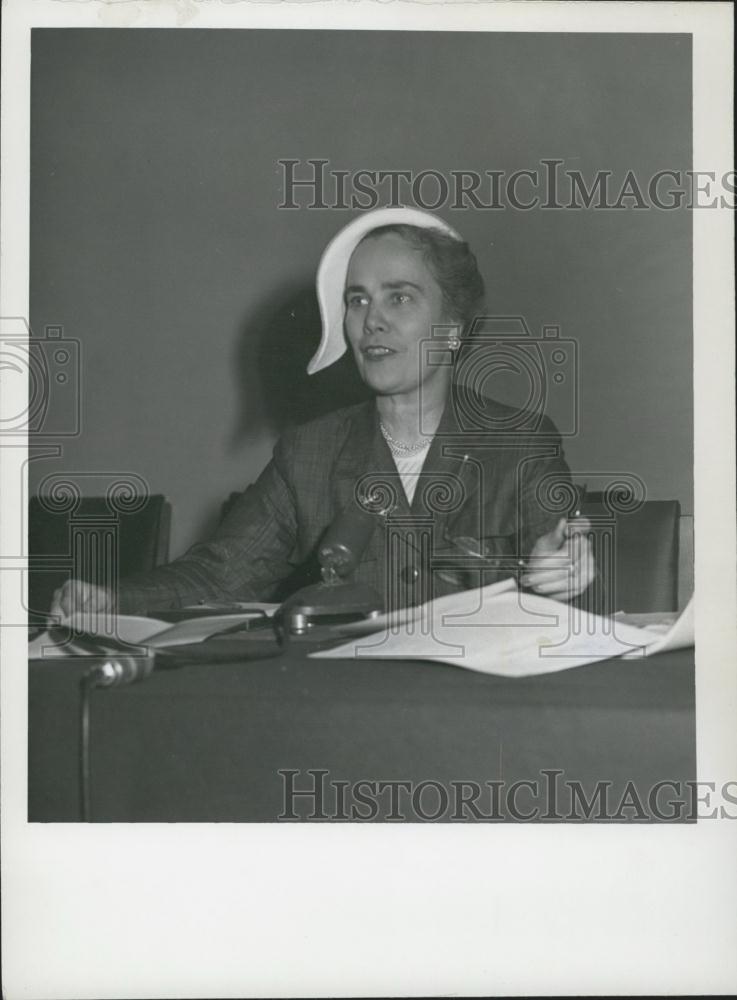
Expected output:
{"points": [[365, 462], [449, 464], [363, 453], [450, 470]]}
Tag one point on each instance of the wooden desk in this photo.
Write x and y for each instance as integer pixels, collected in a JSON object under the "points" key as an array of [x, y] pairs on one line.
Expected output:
{"points": [[206, 742]]}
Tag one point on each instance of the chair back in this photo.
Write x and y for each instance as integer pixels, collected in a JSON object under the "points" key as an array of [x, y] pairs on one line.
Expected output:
{"points": [[645, 576], [58, 541]]}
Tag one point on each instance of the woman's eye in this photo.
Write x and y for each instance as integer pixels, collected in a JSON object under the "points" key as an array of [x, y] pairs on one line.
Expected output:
{"points": [[401, 298], [354, 301]]}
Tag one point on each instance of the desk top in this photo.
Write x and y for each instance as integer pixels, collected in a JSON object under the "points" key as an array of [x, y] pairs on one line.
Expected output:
{"points": [[666, 678], [207, 742]]}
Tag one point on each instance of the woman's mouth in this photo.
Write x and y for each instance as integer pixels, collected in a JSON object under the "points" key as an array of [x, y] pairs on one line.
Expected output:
{"points": [[376, 352]]}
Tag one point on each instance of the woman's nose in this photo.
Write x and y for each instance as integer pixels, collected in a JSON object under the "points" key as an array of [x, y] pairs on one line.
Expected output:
{"points": [[374, 319]]}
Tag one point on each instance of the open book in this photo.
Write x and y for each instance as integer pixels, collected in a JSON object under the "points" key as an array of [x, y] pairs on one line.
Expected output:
{"points": [[500, 630], [72, 637]]}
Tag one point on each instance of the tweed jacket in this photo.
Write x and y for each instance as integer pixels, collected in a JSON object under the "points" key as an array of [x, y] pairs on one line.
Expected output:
{"points": [[489, 491]]}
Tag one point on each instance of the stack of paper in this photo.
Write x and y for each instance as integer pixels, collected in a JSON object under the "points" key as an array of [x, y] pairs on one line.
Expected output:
{"points": [[500, 630]]}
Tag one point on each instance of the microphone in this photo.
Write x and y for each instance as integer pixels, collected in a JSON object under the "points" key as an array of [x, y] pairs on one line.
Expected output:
{"points": [[335, 599], [120, 670], [345, 542], [116, 671]]}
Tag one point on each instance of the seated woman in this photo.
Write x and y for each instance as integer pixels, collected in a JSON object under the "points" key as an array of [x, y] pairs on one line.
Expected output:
{"points": [[462, 494]]}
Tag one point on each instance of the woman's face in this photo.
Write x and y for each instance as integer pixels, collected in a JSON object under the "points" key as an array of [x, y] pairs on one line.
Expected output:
{"points": [[392, 302]]}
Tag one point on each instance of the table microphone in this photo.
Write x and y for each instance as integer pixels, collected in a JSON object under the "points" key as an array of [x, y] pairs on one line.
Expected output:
{"points": [[335, 599], [344, 543], [119, 670]]}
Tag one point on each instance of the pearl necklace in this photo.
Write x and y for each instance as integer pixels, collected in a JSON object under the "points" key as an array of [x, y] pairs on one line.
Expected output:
{"points": [[399, 447]]}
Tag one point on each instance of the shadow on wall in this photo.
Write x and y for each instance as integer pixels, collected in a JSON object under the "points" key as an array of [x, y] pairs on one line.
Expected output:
{"points": [[274, 347]]}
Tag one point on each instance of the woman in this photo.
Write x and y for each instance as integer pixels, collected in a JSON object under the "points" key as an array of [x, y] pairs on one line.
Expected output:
{"points": [[463, 505]]}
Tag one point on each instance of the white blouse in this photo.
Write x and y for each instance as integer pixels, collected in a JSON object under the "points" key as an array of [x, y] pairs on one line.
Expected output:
{"points": [[409, 468]]}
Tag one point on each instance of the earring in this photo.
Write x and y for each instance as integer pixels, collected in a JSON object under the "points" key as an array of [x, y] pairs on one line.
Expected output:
{"points": [[454, 343]]}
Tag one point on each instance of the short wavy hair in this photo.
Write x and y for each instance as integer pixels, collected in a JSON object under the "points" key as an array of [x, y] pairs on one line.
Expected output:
{"points": [[453, 265]]}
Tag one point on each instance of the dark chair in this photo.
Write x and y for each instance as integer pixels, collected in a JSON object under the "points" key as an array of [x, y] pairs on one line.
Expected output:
{"points": [[65, 543], [645, 540]]}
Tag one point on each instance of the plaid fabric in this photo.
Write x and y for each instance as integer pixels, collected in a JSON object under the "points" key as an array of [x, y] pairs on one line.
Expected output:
{"points": [[488, 493]]}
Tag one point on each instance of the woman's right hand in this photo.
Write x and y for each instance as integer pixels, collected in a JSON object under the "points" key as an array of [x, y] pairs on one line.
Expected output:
{"points": [[78, 596]]}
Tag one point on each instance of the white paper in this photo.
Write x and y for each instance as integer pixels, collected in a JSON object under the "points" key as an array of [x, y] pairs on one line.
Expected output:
{"points": [[512, 634], [678, 636], [443, 605], [137, 631]]}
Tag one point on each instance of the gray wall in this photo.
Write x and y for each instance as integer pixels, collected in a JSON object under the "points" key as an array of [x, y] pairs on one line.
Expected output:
{"points": [[156, 240]]}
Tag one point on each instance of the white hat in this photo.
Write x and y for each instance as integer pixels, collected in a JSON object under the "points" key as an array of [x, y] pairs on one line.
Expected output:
{"points": [[331, 273]]}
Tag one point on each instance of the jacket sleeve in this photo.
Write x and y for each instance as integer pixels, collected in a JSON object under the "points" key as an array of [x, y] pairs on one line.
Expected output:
{"points": [[546, 494], [246, 558], [545, 487]]}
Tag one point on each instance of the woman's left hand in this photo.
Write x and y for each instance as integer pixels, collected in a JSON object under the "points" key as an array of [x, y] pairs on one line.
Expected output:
{"points": [[561, 564]]}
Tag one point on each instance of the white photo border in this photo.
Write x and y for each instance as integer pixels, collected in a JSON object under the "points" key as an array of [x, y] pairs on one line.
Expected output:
{"points": [[249, 910]]}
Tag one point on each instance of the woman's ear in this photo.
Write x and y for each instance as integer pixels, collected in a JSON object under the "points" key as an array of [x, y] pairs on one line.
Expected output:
{"points": [[451, 334]]}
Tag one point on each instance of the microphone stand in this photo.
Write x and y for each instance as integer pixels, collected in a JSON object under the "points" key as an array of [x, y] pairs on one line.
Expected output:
{"points": [[311, 610], [335, 600]]}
